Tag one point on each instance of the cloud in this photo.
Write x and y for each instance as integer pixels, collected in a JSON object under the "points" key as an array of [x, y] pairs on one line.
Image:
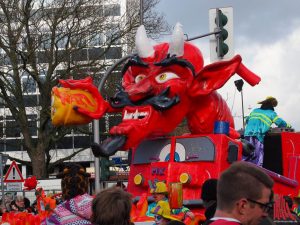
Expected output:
{"points": [[277, 63]]}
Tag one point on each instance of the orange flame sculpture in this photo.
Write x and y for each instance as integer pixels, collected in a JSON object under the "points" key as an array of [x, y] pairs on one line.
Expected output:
{"points": [[76, 102]]}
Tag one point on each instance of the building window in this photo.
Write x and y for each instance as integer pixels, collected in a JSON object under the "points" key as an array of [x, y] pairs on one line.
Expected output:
{"points": [[12, 129], [114, 53], [97, 39], [32, 124], [13, 145], [62, 41], [30, 100], [112, 10], [46, 41], [28, 83], [65, 143], [1, 126], [113, 34], [82, 142]]}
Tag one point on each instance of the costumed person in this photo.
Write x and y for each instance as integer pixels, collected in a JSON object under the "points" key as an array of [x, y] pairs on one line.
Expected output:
{"points": [[76, 207], [209, 197], [297, 203], [289, 202], [258, 123], [160, 193], [162, 212], [111, 207]]}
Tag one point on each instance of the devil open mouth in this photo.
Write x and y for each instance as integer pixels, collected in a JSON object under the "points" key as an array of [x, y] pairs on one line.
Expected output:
{"points": [[139, 113]]}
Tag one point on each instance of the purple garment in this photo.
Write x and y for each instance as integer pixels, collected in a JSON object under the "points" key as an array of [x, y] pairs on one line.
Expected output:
{"points": [[77, 211], [258, 155]]}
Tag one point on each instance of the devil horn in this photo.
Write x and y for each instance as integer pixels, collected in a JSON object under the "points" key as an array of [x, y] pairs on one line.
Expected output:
{"points": [[177, 42], [142, 43]]}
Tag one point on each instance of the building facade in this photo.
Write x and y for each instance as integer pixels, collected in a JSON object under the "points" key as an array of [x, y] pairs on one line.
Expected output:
{"points": [[91, 50]]}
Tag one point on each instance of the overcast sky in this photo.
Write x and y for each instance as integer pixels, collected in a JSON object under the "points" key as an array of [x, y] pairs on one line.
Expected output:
{"points": [[266, 35]]}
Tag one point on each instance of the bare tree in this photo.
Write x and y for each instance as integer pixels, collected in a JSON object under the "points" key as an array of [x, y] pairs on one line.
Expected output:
{"points": [[43, 41]]}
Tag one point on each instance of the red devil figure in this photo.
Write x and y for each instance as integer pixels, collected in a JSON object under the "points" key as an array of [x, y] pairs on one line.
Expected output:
{"points": [[164, 84]]}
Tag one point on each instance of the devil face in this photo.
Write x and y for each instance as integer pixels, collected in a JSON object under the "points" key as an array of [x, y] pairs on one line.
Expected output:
{"points": [[155, 92]]}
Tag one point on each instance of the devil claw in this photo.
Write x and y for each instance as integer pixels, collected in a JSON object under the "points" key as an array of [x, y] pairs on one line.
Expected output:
{"points": [[109, 147]]}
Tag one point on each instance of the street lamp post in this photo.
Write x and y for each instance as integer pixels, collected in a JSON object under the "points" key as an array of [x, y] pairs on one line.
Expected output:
{"points": [[239, 85], [96, 122], [3, 159]]}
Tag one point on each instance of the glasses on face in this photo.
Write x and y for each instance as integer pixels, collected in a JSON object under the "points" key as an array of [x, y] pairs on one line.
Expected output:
{"points": [[266, 207]]}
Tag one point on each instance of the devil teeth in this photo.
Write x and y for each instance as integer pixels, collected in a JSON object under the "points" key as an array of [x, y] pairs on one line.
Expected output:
{"points": [[136, 115]]}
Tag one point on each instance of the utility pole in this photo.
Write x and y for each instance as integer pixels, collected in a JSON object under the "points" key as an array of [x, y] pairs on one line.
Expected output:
{"points": [[141, 12], [3, 159], [239, 85], [96, 122]]}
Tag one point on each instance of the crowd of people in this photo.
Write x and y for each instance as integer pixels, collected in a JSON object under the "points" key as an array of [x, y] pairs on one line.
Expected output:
{"points": [[248, 202], [17, 203]]}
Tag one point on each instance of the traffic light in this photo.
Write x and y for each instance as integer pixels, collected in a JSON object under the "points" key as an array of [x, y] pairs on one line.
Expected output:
{"points": [[221, 21], [105, 165], [221, 44]]}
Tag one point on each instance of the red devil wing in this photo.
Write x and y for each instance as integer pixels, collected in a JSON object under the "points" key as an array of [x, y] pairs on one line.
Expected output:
{"points": [[215, 75]]}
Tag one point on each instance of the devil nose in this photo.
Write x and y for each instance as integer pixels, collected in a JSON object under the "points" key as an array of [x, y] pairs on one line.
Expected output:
{"points": [[139, 91]]}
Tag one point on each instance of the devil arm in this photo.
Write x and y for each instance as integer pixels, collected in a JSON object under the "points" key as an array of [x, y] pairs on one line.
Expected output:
{"points": [[250, 77], [99, 106]]}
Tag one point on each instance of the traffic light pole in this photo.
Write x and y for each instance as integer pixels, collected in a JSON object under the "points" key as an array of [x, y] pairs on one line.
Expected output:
{"points": [[203, 35], [3, 159], [243, 114], [239, 85], [218, 36], [2, 185]]}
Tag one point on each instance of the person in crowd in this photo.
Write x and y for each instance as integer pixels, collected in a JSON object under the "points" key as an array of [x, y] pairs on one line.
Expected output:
{"points": [[120, 184], [2, 208], [290, 204], [18, 205], [175, 222], [76, 205], [258, 123], [160, 193], [111, 206], [162, 213], [296, 200], [33, 208], [244, 194], [209, 197], [7, 200]]}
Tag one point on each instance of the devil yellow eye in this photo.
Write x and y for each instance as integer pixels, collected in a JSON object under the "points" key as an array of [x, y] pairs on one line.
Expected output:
{"points": [[163, 77], [139, 77]]}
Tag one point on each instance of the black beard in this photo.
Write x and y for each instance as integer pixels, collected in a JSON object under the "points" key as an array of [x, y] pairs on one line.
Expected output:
{"points": [[159, 102]]}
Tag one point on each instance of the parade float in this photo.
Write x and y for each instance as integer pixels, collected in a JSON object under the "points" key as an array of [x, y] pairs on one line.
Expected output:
{"points": [[161, 86]]}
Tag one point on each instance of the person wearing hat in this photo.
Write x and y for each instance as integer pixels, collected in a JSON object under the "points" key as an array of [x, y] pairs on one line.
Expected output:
{"points": [[258, 123], [162, 212], [76, 207], [209, 197], [160, 194]]}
